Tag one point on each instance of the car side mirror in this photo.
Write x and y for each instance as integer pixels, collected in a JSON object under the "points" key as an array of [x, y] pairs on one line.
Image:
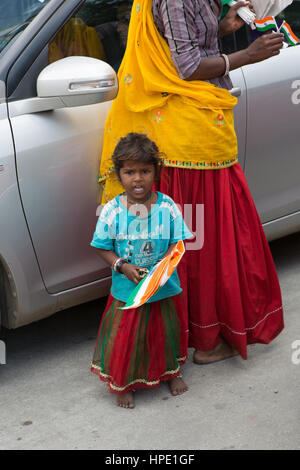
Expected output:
{"points": [[78, 81]]}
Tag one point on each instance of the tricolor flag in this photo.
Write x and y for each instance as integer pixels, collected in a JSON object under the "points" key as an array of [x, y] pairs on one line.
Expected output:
{"points": [[288, 33], [266, 23], [156, 278]]}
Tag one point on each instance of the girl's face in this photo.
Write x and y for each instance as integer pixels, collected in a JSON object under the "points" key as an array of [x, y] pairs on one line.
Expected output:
{"points": [[137, 179]]}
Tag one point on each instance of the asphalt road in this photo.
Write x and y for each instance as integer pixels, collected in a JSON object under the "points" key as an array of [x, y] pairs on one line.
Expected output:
{"points": [[50, 400]]}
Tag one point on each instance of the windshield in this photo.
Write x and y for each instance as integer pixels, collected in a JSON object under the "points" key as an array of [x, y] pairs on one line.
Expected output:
{"points": [[15, 16]]}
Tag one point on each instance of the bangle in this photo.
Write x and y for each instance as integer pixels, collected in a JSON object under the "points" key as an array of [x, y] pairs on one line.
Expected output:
{"points": [[114, 265], [227, 64], [118, 264]]}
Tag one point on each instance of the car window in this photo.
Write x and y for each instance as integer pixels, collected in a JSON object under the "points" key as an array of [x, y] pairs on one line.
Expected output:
{"points": [[99, 29], [18, 15]]}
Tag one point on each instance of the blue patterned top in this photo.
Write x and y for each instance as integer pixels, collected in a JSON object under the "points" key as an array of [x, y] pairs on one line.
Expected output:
{"points": [[142, 240]]}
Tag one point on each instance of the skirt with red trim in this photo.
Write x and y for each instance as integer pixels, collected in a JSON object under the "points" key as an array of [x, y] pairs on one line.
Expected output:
{"points": [[229, 281], [141, 347]]}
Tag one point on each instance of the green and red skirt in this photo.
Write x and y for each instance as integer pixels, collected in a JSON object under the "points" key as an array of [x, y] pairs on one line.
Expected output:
{"points": [[141, 347]]}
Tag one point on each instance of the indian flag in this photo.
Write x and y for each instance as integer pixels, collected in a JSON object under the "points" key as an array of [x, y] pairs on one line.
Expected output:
{"points": [[156, 278], [288, 33], [266, 23]]}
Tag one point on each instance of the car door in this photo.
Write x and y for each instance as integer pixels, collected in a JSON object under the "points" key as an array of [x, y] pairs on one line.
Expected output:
{"points": [[7, 172], [273, 114], [58, 151]]}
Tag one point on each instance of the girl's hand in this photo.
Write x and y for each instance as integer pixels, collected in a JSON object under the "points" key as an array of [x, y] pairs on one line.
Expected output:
{"points": [[131, 272], [232, 21]]}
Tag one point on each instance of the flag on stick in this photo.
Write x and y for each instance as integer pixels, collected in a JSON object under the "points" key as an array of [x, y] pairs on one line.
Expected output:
{"points": [[288, 33], [156, 278], [266, 23]]}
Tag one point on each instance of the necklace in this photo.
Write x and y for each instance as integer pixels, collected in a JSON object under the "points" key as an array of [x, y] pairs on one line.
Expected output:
{"points": [[140, 202]]}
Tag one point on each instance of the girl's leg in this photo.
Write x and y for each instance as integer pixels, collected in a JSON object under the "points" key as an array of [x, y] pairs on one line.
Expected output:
{"points": [[177, 385], [125, 400]]}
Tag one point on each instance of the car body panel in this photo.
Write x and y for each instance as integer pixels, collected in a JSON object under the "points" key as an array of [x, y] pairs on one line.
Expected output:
{"points": [[57, 157], [32, 302], [17, 252], [272, 158]]}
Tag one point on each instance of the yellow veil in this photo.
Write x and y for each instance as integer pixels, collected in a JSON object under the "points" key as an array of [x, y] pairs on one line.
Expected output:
{"points": [[76, 38], [190, 121]]}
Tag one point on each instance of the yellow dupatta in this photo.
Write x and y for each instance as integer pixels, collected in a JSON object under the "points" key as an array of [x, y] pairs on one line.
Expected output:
{"points": [[190, 121]]}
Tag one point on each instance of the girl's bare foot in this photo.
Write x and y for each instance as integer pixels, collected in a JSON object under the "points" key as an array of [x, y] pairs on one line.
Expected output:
{"points": [[177, 386], [220, 352], [126, 400]]}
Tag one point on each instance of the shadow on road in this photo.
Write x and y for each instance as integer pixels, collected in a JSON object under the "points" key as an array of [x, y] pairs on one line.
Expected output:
{"points": [[286, 251], [61, 331]]}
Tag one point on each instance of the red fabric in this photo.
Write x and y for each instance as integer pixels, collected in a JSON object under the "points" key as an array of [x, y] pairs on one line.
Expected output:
{"points": [[230, 286], [142, 347]]}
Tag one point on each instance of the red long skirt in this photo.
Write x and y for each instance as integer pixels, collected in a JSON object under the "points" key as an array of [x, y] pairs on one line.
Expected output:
{"points": [[141, 347], [230, 285]]}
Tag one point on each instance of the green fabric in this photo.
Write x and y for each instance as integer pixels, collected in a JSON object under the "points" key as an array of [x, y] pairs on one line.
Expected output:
{"points": [[153, 345], [225, 8], [224, 12], [172, 333], [140, 357]]}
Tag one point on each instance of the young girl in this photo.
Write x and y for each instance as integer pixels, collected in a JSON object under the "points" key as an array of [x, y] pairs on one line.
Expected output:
{"points": [[140, 347]]}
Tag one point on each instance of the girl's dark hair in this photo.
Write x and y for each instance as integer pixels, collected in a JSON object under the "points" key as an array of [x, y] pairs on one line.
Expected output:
{"points": [[139, 148]]}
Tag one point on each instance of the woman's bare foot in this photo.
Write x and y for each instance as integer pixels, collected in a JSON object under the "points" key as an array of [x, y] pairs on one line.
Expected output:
{"points": [[177, 386], [126, 400], [220, 352]]}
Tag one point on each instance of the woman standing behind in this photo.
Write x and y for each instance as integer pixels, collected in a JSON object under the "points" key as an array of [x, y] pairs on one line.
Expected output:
{"points": [[174, 66]]}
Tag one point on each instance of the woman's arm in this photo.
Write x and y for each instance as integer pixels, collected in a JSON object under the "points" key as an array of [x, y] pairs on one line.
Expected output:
{"points": [[263, 48], [181, 33]]}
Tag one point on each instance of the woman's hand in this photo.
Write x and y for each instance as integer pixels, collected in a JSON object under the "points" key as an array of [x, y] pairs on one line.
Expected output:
{"points": [[264, 47], [131, 272], [232, 21]]}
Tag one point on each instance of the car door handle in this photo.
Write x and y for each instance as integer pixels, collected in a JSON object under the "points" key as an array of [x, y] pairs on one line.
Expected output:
{"points": [[236, 91]]}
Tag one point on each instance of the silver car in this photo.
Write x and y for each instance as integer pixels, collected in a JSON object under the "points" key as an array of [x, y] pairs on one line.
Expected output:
{"points": [[58, 65]]}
